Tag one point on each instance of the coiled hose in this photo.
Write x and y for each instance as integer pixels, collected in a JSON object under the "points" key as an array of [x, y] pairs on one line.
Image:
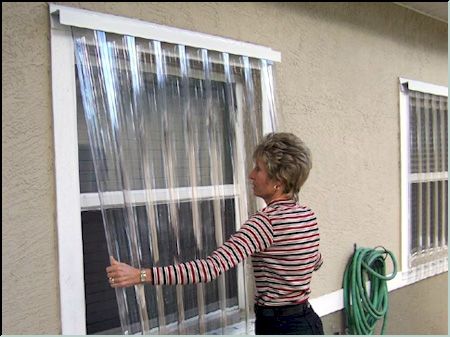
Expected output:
{"points": [[363, 309]]}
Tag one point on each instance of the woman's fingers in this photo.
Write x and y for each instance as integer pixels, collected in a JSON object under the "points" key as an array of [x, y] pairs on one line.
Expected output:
{"points": [[121, 274], [113, 272]]}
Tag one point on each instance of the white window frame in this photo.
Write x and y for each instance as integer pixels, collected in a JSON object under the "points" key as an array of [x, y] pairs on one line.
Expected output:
{"points": [[69, 202], [414, 274]]}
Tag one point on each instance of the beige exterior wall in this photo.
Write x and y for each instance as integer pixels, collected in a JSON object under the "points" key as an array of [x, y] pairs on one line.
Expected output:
{"points": [[337, 88], [30, 288]]}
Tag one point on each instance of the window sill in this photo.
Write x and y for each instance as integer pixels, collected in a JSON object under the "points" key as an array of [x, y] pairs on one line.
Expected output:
{"points": [[332, 302], [423, 271]]}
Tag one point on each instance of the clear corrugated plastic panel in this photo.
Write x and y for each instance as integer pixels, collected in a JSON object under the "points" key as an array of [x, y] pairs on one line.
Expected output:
{"points": [[428, 124], [171, 131]]}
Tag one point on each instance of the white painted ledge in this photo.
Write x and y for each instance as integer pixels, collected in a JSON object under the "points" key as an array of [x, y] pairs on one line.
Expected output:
{"points": [[332, 302], [425, 87], [134, 27]]}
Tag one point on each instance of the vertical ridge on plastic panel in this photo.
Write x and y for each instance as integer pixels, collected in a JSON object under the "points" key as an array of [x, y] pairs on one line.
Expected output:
{"points": [[415, 109], [150, 138], [268, 97], [214, 172], [427, 153], [169, 166], [99, 136], [122, 128], [442, 111], [137, 120], [238, 181], [190, 132]]}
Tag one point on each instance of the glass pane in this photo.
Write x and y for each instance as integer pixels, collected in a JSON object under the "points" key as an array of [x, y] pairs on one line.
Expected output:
{"points": [[86, 168], [428, 133], [101, 304]]}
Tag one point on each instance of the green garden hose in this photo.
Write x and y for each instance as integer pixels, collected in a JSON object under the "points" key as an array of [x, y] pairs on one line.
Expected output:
{"points": [[363, 309]]}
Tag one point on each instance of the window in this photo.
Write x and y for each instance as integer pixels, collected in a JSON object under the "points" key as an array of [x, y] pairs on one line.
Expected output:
{"points": [[174, 192], [424, 178], [180, 184]]}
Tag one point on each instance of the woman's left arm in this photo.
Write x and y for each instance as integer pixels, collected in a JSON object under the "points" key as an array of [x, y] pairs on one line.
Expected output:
{"points": [[255, 235]]}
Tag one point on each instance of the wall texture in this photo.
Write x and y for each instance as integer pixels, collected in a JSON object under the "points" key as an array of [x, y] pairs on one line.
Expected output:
{"points": [[30, 289], [337, 89]]}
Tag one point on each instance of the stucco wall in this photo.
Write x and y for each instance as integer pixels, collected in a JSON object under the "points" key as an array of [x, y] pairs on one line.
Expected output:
{"points": [[337, 88], [30, 290]]}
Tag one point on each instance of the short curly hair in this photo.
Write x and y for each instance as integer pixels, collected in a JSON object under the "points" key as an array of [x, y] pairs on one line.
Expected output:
{"points": [[287, 159]]}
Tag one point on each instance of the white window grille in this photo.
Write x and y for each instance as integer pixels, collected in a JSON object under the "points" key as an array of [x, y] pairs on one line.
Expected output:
{"points": [[424, 119]]}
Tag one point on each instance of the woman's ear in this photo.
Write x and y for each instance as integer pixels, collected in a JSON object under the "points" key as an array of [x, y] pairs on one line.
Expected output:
{"points": [[278, 185]]}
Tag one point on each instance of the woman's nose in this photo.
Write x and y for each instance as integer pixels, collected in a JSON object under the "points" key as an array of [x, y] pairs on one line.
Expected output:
{"points": [[250, 176]]}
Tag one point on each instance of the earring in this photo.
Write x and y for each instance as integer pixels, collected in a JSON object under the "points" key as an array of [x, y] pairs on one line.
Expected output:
{"points": [[275, 187]]}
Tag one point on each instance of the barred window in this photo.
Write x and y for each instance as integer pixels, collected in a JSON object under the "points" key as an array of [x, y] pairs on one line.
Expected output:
{"points": [[425, 117]]}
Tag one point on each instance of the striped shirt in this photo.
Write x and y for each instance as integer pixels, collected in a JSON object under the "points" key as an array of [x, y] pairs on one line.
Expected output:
{"points": [[283, 241]]}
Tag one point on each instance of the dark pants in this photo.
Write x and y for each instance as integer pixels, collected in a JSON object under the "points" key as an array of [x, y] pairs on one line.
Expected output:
{"points": [[287, 320]]}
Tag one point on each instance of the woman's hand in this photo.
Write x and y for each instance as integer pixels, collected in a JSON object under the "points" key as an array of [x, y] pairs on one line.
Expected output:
{"points": [[122, 275]]}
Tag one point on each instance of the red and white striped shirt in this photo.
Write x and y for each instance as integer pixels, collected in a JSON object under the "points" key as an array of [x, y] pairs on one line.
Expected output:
{"points": [[283, 241]]}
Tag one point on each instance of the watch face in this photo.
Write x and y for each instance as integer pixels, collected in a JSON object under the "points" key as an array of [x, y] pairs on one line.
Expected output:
{"points": [[143, 275]]}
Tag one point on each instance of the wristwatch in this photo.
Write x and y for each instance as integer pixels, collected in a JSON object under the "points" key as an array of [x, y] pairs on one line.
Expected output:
{"points": [[143, 275]]}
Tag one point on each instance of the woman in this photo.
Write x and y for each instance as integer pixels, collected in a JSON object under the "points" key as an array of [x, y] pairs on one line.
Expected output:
{"points": [[282, 239]]}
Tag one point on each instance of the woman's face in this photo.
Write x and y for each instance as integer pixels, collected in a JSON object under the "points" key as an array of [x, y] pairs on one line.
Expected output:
{"points": [[263, 186]]}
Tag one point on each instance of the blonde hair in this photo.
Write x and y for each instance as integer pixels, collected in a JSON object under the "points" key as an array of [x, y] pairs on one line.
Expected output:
{"points": [[287, 159]]}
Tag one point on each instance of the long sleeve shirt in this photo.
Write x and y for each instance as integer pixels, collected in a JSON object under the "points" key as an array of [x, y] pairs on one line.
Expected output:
{"points": [[283, 241]]}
